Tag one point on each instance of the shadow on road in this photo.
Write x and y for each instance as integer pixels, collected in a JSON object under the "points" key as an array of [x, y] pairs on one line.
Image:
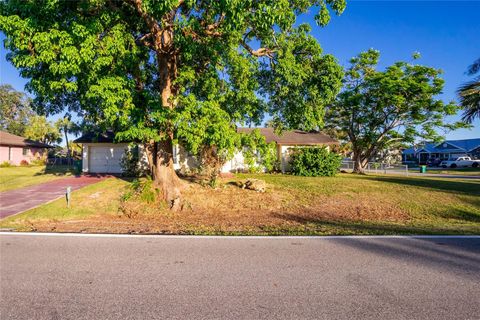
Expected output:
{"points": [[449, 255]]}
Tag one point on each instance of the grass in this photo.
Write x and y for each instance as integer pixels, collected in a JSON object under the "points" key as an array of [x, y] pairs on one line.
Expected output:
{"points": [[346, 204], [19, 177], [100, 198], [454, 171]]}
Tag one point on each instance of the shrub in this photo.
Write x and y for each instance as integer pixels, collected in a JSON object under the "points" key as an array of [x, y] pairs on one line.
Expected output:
{"points": [[5, 164], [315, 161], [139, 194], [24, 163], [130, 162], [39, 162], [258, 154]]}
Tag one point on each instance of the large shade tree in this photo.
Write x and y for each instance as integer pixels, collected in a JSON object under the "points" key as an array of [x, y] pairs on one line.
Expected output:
{"points": [[378, 110], [163, 71]]}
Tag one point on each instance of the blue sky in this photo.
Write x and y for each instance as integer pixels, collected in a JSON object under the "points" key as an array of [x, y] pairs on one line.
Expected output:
{"points": [[446, 33]]}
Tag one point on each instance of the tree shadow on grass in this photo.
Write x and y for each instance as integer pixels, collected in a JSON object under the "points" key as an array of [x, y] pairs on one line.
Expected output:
{"points": [[367, 227], [464, 187]]}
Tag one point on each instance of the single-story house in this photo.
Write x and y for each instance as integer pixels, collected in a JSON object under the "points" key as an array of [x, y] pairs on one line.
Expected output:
{"points": [[100, 153], [447, 149], [15, 149]]}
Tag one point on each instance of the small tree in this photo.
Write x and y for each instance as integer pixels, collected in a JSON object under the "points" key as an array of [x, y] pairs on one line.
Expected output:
{"points": [[379, 109]]}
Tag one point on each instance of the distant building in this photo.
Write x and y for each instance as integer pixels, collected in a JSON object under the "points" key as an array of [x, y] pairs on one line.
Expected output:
{"points": [[14, 149], [447, 149]]}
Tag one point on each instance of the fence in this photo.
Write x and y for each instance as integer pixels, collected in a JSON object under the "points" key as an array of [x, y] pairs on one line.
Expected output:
{"points": [[377, 168]]}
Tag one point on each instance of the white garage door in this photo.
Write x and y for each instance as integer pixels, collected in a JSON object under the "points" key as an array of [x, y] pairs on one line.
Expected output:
{"points": [[106, 159]]}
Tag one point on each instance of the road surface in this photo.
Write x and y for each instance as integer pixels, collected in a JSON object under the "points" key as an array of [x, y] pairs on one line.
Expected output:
{"points": [[99, 277]]}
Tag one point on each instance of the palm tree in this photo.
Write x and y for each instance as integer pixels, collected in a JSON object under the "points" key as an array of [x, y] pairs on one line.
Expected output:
{"points": [[469, 94]]}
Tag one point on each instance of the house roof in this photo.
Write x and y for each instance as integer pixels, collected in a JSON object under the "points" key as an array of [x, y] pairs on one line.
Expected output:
{"points": [[95, 137], [464, 145], [8, 139], [293, 137]]}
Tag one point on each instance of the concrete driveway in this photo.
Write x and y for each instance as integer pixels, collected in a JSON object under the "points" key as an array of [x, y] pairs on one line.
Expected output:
{"points": [[155, 277], [20, 200]]}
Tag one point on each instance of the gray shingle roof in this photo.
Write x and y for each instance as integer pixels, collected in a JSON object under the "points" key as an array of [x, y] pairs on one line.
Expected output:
{"points": [[293, 137], [8, 139]]}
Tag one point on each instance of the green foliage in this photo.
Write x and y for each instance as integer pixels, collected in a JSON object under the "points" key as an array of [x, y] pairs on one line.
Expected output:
{"points": [[15, 110], [130, 162], [40, 129], [152, 75], [258, 154], [6, 164], [141, 189], [378, 110], [314, 162], [39, 161]]}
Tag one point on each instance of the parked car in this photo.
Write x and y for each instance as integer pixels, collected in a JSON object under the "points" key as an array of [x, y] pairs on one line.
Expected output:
{"points": [[460, 162], [434, 162]]}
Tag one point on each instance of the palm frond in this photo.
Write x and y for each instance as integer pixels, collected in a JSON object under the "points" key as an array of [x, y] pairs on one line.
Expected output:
{"points": [[469, 95], [474, 68]]}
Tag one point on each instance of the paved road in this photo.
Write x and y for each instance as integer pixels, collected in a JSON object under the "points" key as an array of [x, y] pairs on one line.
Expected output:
{"points": [[65, 277], [20, 200]]}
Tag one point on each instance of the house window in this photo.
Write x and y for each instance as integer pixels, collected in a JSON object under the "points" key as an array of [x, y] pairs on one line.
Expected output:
{"points": [[26, 151]]}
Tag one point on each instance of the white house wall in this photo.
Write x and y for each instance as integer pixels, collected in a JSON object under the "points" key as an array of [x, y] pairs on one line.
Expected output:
{"points": [[184, 161]]}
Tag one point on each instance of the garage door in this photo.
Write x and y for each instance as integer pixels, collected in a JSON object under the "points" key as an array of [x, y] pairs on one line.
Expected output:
{"points": [[105, 159]]}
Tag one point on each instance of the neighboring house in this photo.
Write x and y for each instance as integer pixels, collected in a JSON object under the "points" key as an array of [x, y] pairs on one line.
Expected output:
{"points": [[101, 155], [14, 149], [448, 149]]}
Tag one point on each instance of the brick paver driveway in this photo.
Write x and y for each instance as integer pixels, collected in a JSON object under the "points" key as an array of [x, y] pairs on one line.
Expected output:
{"points": [[19, 200]]}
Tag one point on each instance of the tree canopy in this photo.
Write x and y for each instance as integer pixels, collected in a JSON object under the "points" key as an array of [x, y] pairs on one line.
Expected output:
{"points": [[177, 70], [380, 109], [15, 110]]}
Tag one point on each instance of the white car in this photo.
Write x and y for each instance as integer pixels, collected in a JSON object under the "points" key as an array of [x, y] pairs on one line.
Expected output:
{"points": [[460, 162]]}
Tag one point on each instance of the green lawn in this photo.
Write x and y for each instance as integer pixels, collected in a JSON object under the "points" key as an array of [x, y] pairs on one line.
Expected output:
{"points": [[19, 177], [343, 205], [454, 171]]}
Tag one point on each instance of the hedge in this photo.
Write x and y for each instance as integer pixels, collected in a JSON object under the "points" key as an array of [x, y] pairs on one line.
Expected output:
{"points": [[314, 162]]}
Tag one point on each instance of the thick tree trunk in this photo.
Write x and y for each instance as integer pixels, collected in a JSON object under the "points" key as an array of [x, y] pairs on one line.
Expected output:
{"points": [[162, 167], [164, 176], [359, 164], [160, 154]]}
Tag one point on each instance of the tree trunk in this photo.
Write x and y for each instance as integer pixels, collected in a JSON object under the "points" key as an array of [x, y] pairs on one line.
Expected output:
{"points": [[161, 159], [359, 164], [69, 154], [164, 176]]}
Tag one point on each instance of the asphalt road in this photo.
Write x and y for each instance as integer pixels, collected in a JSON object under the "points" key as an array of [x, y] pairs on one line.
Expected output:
{"points": [[66, 277]]}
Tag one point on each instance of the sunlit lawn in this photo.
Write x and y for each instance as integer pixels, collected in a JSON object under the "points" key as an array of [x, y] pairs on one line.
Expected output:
{"points": [[22, 176]]}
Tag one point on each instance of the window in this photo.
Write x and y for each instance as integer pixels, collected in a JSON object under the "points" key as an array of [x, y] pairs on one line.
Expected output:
{"points": [[26, 151]]}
